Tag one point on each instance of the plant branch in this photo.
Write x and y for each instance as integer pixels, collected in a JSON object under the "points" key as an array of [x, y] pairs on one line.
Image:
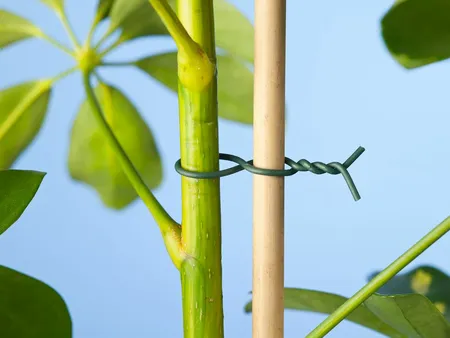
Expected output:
{"points": [[68, 28], [170, 230], [63, 74], [382, 278], [117, 63], [113, 46], [176, 29], [56, 43]]}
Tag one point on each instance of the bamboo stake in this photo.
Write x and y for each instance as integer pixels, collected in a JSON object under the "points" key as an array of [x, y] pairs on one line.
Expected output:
{"points": [[268, 192]]}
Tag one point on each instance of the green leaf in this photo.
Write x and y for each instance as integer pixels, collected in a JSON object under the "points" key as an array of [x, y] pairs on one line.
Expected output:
{"points": [[417, 32], [14, 28], [31, 309], [236, 38], [235, 83], [92, 160], [424, 280], [104, 9], [56, 5], [17, 189], [405, 316], [412, 315], [327, 303], [22, 112], [137, 18]]}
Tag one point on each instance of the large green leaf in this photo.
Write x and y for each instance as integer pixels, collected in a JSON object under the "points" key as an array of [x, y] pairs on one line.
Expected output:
{"points": [[92, 160], [22, 111], [17, 189], [56, 5], [417, 32], [14, 28], [412, 315], [406, 316], [31, 309], [235, 83], [327, 303], [425, 280], [137, 18]]}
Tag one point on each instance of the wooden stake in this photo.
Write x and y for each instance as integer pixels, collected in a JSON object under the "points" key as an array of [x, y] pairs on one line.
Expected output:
{"points": [[268, 192]]}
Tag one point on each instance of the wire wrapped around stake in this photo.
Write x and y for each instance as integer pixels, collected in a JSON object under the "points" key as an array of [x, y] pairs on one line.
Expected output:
{"points": [[318, 168]]}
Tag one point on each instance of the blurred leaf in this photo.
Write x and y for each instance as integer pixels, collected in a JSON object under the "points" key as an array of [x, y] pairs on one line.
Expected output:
{"points": [[14, 28], [236, 38], [235, 83], [56, 5], [17, 189], [412, 315], [327, 303], [30, 308], [104, 8], [137, 18], [22, 111], [408, 316], [417, 32], [425, 280], [91, 159]]}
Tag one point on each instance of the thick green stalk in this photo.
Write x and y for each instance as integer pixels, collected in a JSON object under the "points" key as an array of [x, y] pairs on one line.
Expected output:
{"points": [[382, 278], [201, 227]]}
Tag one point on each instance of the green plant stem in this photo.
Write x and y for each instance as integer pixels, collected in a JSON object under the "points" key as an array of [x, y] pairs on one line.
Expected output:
{"points": [[113, 46], [201, 272], [117, 63], [64, 74], [68, 28], [176, 29], [382, 278], [57, 44], [170, 229]]}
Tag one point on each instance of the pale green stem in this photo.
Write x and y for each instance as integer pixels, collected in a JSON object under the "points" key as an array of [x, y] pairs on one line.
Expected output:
{"points": [[68, 28], [170, 229], [117, 63], [56, 43], [382, 278], [113, 46], [64, 74], [105, 36], [176, 29], [92, 30]]}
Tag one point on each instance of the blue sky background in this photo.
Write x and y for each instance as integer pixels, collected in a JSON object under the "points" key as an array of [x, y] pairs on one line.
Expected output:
{"points": [[343, 90]]}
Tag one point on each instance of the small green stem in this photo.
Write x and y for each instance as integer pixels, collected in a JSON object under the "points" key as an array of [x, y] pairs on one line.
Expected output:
{"points": [[176, 29], [113, 46], [170, 229], [64, 74], [117, 63], [92, 30], [57, 44], [382, 278], [192, 56], [68, 28]]}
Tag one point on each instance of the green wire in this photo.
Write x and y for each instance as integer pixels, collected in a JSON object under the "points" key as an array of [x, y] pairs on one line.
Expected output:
{"points": [[318, 168]]}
